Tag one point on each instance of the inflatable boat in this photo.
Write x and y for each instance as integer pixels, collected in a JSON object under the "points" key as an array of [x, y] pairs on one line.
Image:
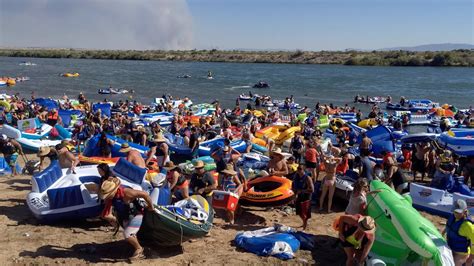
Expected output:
{"points": [[165, 118], [437, 201], [272, 241], [345, 184], [59, 195], [267, 191], [91, 148], [175, 103], [461, 141], [28, 144], [381, 137], [279, 133], [174, 224], [402, 235], [206, 148]]}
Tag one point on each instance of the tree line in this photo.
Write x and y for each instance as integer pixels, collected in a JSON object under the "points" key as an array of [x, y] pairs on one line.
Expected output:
{"points": [[460, 57]]}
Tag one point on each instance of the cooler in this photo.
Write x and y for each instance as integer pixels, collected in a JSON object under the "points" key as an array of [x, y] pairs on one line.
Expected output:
{"points": [[224, 200]]}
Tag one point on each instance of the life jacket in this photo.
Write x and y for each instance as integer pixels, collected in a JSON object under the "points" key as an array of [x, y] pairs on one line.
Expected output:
{"points": [[407, 162], [456, 242], [53, 116], [342, 166]]}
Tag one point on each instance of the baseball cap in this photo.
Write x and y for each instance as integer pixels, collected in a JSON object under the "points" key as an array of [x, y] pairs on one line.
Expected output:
{"points": [[460, 206]]}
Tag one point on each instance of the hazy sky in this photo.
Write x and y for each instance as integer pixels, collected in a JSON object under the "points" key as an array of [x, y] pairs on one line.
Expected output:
{"points": [[229, 24]]}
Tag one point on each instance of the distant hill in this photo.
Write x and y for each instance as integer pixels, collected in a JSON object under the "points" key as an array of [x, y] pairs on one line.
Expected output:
{"points": [[432, 47]]}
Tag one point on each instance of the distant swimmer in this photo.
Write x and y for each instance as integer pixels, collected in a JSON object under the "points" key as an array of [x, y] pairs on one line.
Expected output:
{"points": [[209, 75]]}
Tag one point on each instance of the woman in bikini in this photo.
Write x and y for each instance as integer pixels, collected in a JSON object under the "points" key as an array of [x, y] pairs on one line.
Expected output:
{"points": [[329, 182]]}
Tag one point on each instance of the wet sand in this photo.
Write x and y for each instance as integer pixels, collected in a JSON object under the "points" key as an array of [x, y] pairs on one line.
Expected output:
{"points": [[25, 241]]}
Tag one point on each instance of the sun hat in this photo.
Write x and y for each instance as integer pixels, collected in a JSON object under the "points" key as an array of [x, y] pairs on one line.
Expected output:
{"points": [[367, 223], [125, 147], [199, 164], [109, 187], [169, 165], [229, 170], [44, 150], [277, 151], [159, 138], [460, 206]]}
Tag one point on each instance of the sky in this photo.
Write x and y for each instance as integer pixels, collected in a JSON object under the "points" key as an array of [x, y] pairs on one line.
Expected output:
{"points": [[235, 24]]}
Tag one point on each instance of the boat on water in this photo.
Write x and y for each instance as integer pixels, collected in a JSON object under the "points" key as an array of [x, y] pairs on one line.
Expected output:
{"points": [[25, 63], [113, 91], [370, 100], [70, 75], [261, 85]]}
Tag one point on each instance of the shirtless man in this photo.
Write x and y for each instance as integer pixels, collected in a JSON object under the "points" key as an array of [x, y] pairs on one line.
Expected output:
{"points": [[329, 182], [133, 156], [420, 160], [66, 158], [277, 165], [365, 145]]}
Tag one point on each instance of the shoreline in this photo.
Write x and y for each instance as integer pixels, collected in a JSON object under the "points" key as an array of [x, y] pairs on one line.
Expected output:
{"points": [[455, 58]]}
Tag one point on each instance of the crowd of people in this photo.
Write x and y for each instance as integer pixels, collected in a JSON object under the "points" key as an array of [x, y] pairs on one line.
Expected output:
{"points": [[305, 165]]}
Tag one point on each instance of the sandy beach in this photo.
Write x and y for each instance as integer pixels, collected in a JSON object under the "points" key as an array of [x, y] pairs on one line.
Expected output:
{"points": [[92, 241]]}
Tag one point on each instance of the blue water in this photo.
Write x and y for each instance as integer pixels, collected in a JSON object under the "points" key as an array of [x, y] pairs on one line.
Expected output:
{"points": [[308, 83]]}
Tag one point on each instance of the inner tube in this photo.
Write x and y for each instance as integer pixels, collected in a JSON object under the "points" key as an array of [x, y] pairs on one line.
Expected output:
{"points": [[268, 191]]}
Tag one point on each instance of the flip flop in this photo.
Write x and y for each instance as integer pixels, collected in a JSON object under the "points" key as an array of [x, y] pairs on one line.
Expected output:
{"points": [[138, 255]]}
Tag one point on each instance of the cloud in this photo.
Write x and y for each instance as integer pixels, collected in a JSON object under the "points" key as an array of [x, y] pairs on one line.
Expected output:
{"points": [[96, 24]]}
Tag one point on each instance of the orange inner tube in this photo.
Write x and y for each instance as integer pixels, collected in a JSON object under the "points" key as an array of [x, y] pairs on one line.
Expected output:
{"points": [[268, 189]]}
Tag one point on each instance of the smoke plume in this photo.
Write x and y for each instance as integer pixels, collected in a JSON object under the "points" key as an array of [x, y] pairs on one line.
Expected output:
{"points": [[96, 24]]}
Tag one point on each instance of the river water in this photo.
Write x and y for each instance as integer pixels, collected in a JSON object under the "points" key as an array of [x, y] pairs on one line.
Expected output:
{"points": [[308, 83]]}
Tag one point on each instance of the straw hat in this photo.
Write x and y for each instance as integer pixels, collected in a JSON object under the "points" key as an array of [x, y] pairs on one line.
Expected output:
{"points": [[159, 138], [169, 166], [229, 170], [278, 151], [141, 129], [109, 188], [124, 148], [199, 164], [44, 150], [367, 223]]}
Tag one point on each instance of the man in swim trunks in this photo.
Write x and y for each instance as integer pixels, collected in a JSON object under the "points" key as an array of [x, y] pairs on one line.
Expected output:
{"points": [[10, 149], [420, 160], [365, 145], [277, 164], [393, 173]]}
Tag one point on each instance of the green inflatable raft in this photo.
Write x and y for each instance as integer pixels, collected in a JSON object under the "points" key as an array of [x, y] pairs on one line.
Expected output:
{"points": [[403, 236], [164, 227]]}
